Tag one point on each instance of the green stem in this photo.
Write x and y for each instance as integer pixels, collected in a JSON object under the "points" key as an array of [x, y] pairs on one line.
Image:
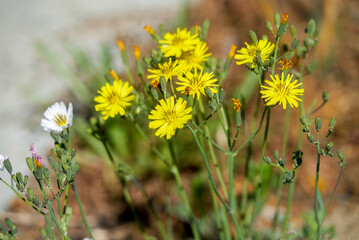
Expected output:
{"points": [[195, 230], [88, 228], [317, 189], [301, 103], [22, 198], [289, 205], [128, 199], [260, 177], [217, 213]]}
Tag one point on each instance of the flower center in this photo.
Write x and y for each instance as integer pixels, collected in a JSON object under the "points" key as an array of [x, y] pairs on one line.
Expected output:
{"points": [[114, 98], [282, 88], [61, 120], [170, 116]]}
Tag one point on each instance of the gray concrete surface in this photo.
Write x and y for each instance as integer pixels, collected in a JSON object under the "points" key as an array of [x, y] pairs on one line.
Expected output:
{"points": [[25, 79]]}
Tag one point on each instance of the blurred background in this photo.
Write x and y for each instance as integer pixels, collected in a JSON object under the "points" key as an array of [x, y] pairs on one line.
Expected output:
{"points": [[46, 48]]}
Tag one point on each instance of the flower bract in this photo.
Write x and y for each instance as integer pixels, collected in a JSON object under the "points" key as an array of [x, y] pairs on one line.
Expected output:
{"points": [[113, 99], [247, 55], [176, 43], [195, 83], [168, 116], [282, 90], [57, 118]]}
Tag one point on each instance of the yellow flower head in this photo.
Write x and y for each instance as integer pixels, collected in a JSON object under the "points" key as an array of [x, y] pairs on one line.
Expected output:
{"points": [[248, 54], [137, 52], [232, 51], [149, 30], [194, 83], [175, 44], [167, 70], [114, 75], [285, 17], [281, 90], [113, 99], [168, 116], [194, 58], [121, 45], [237, 104]]}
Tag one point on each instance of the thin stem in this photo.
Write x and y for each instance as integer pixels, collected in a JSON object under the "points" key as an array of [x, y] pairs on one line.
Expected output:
{"points": [[194, 227], [316, 193], [88, 228], [289, 205], [217, 213], [22, 198]]}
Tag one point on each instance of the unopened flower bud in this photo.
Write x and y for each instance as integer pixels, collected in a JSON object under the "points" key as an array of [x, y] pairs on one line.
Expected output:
{"points": [[310, 137], [208, 91], [238, 118], [330, 153], [341, 155], [277, 19], [163, 84], [267, 160], [281, 162], [221, 94], [306, 129], [322, 152], [293, 31], [253, 36], [310, 27], [294, 44], [318, 123], [154, 93], [325, 96], [329, 146], [269, 26], [303, 121], [276, 154], [211, 104]]}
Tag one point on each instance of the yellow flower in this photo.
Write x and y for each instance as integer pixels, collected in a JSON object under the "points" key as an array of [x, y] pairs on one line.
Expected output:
{"points": [[167, 70], [137, 52], [114, 75], [248, 54], [113, 99], [232, 51], [237, 104], [281, 90], [121, 45], [194, 83], [285, 17], [195, 58], [168, 116], [149, 30], [175, 44]]}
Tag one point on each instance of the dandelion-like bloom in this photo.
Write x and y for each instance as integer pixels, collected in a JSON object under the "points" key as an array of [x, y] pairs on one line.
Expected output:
{"points": [[57, 118], [282, 90], [195, 58], [2, 160], [167, 117], [194, 83], [113, 99], [176, 43], [237, 104], [167, 70], [248, 54]]}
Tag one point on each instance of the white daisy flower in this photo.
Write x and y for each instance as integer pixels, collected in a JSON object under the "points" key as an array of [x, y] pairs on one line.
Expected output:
{"points": [[2, 159], [57, 118]]}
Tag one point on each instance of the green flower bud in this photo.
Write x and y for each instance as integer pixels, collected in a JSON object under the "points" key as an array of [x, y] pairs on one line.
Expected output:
{"points": [[154, 93], [325, 96], [282, 29], [277, 19], [208, 91], [238, 118], [26, 178], [303, 121], [253, 36], [211, 104], [281, 162], [306, 129], [310, 138], [293, 31], [267, 160], [221, 95], [8, 166], [318, 123], [341, 155], [19, 178], [163, 84], [329, 146], [322, 152], [30, 193], [294, 44], [276, 154], [310, 27], [332, 123], [269, 26], [330, 153], [297, 158], [288, 177], [167, 95]]}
